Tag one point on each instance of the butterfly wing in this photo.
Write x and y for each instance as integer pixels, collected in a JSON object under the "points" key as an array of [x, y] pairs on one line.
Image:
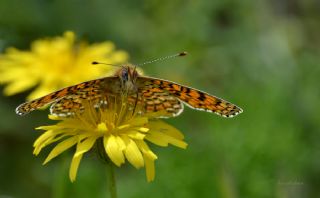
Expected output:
{"points": [[66, 106], [157, 100], [72, 95], [192, 97], [71, 104]]}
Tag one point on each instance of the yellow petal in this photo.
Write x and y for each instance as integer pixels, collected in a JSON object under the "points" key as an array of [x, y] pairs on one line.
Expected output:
{"points": [[96, 50], [118, 56], [113, 149], [62, 146], [11, 73], [38, 147], [144, 148], [73, 124], [135, 135], [143, 129], [40, 91], [120, 143], [46, 128], [157, 138], [107, 47], [150, 171], [149, 158], [162, 139], [74, 167], [138, 121], [124, 126], [160, 126], [133, 153], [47, 138], [19, 86], [69, 36], [54, 117], [43, 137], [85, 145]]}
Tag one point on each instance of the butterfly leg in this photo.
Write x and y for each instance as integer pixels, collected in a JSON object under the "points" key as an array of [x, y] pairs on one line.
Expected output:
{"points": [[135, 103]]}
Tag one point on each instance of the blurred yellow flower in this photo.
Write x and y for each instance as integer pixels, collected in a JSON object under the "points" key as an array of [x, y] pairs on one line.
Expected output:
{"points": [[54, 63], [121, 132]]}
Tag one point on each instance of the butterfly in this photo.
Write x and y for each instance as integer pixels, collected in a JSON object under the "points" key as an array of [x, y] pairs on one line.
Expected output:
{"points": [[151, 94]]}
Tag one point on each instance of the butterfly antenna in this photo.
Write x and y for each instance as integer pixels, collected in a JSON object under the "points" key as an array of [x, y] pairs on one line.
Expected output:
{"points": [[163, 58], [99, 63]]}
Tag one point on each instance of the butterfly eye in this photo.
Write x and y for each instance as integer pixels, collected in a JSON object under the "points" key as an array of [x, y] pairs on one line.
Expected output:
{"points": [[124, 75]]}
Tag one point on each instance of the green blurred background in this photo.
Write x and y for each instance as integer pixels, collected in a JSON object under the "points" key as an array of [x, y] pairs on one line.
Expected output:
{"points": [[262, 55]]}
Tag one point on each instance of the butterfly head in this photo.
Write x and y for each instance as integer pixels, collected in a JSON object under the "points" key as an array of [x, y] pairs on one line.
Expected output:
{"points": [[128, 76]]}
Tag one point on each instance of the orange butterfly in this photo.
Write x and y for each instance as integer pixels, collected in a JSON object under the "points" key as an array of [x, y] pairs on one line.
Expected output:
{"points": [[152, 94]]}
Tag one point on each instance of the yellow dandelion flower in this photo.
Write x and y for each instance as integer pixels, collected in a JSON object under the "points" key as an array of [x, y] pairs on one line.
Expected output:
{"points": [[121, 131], [54, 63]]}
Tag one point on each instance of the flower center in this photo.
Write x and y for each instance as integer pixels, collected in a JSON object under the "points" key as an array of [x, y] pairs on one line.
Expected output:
{"points": [[102, 128]]}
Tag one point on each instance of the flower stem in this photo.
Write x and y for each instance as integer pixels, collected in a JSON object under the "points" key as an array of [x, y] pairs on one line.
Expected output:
{"points": [[110, 166], [112, 180]]}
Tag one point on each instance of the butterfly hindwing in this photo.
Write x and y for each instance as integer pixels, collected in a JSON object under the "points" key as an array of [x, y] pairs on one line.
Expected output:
{"points": [[156, 100], [66, 106]]}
